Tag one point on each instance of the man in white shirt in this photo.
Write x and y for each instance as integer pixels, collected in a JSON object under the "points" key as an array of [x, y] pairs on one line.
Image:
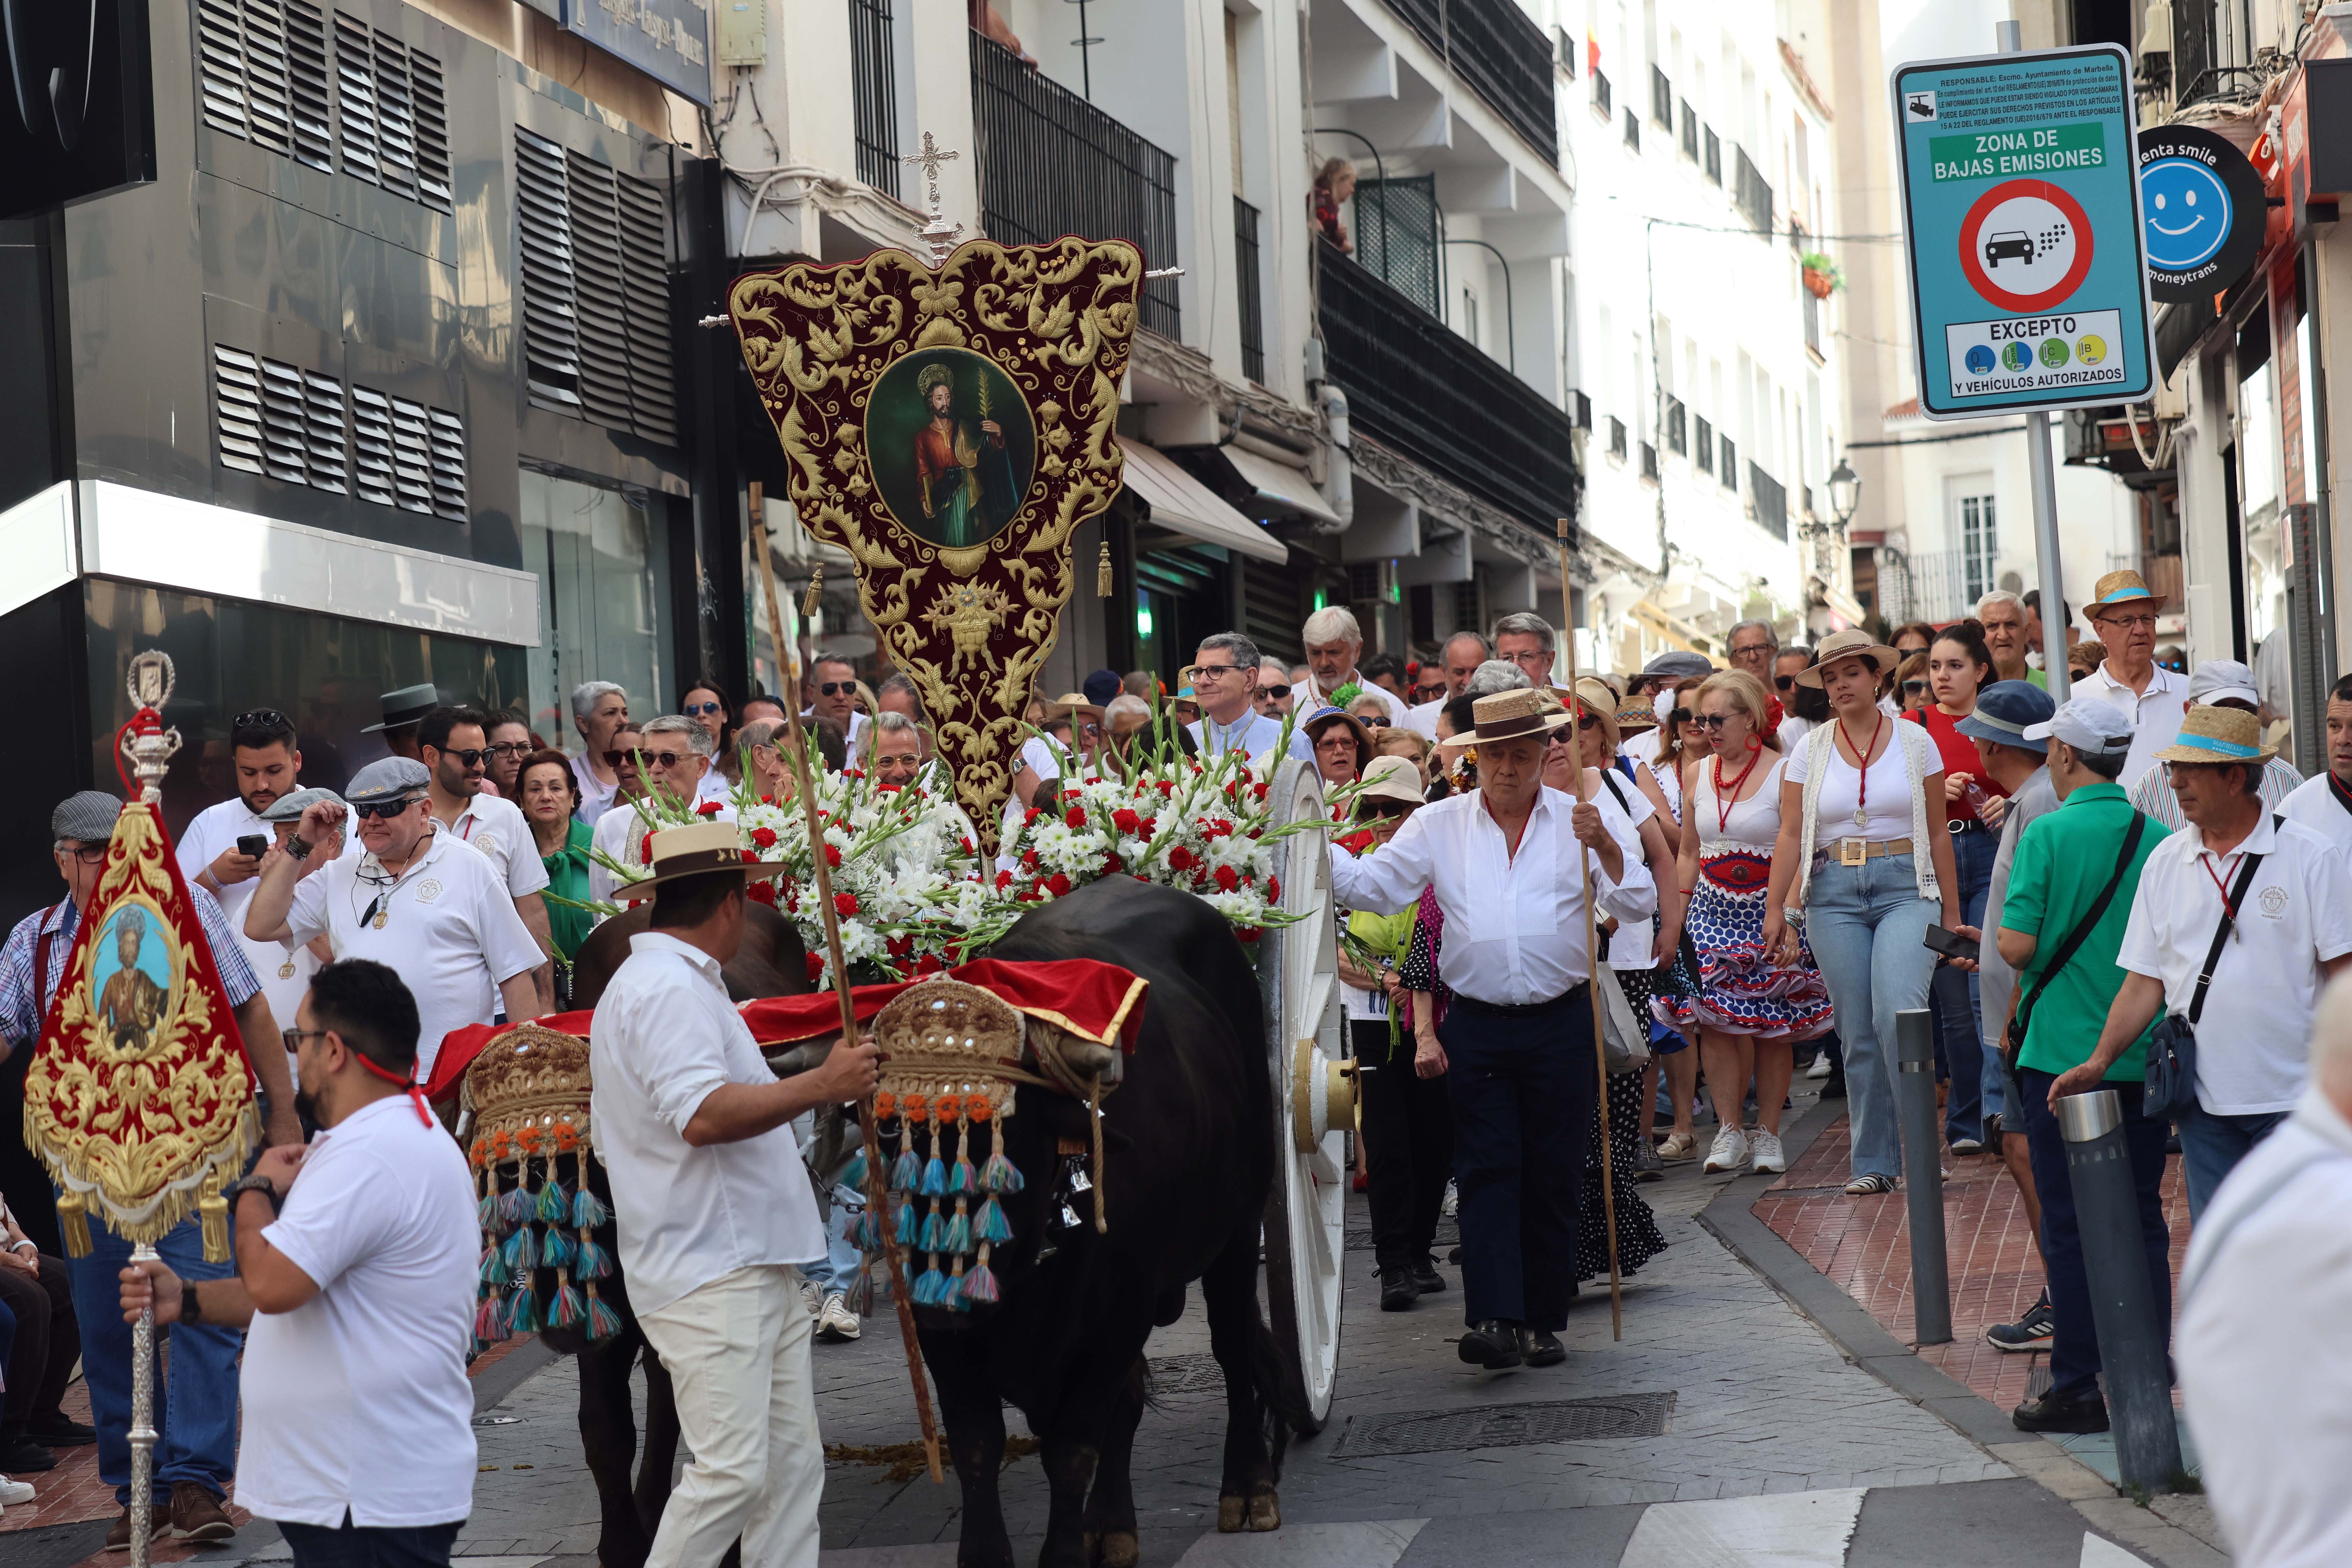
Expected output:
{"points": [[2217, 683], [714, 1210], [2266, 1294], [285, 968], [599, 710], [832, 694], [620, 828], [416, 900], [355, 1263], [2292, 930], [1224, 676], [1463, 652], [2324, 804], [2123, 612], [674, 757], [1333, 640], [1508, 865], [453, 745]]}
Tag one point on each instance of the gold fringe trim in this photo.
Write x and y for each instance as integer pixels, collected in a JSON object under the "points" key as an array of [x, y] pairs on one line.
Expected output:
{"points": [[137, 1222]]}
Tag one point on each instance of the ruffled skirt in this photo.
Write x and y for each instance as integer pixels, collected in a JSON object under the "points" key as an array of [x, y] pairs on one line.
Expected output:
{"points": [[1727, 979]]}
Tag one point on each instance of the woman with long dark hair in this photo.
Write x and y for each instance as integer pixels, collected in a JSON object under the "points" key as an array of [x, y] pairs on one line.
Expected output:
{"points": [[1958, 663]]}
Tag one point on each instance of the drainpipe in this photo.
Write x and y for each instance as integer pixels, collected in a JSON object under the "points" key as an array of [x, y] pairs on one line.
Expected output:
{"points": [[1339, 474]]}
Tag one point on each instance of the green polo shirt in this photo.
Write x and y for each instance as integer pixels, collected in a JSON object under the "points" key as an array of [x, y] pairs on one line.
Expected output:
{"points": [[2064, 859]]}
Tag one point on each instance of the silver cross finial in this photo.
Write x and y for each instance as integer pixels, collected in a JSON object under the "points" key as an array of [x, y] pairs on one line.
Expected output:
{"points": [[938, 233]]}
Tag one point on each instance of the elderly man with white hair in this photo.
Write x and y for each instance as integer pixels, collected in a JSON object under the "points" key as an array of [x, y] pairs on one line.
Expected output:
{"points": [[676, 754], [1463, 652], [2264, 1297], [599, 708], [1333, 640]]}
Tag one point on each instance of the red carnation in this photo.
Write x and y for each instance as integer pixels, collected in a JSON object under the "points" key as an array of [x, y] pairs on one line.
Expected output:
{"points": [[1227, 879], [765, 838], [929, 964], [1166, 786], [1004, 879], [646, 848], [1259, 790], [833, 856], [1179, 859], [1245, 934], [1076, 816], [763, 892], [1058, 885], [1112, 865], [709, 808], [1274, 887], [1029, 859], [966, 844], [845, 904], [1032, 815], [899, 946], [1150, 825], [1126, 821], [815, 967]]}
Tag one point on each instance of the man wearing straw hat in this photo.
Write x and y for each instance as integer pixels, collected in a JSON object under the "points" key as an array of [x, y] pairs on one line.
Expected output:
{"points": [[2123, 612], [1507, 864], [2287, 893], [715, 1212]]}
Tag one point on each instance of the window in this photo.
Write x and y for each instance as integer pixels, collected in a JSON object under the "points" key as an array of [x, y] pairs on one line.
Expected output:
{"points": [[1633, 130], [1601, 95], [1616, 437], [874, 93], [595, 289], [1729, 468], [1677, 428], [1396, 235], [1662, 99], [1714, 156], [1470, 318], [1248, 291], [1581, 409], [1979, 545], [1564, 50], [1703, 445], [602, 557], [1690, 131], [290, 425], [1649, 462]]}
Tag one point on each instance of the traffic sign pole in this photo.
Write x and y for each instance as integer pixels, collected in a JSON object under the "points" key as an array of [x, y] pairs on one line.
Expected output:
{"points": [[2056, 673]]}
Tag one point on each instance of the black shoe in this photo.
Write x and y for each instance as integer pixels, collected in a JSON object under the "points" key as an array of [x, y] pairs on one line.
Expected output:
{"points": [[1541, 1347], [1493, 1344], [1833, 1086], [1647, 1166], [20, 1455], [59, 1431], [2084, 1412], [2037, 1330], [1398, 1292], [1425, 1277]]}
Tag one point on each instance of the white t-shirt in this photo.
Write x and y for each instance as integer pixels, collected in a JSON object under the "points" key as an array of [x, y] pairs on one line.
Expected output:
{"points": [[2253, 1041], [1631, 946], [357, 1399], [1793, 729], [499, 830], [284, 968], [664, 1037], [1885, 804], [2313, 803], [450, 930]]}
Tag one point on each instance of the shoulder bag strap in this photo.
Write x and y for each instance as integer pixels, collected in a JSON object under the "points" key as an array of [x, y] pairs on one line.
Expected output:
{"points": [[2081, 932], [1615, 790], [41, 963], [2222, 934]]}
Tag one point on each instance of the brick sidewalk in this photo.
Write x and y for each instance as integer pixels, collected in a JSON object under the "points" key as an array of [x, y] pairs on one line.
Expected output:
{"points": [[1864, 1245]]}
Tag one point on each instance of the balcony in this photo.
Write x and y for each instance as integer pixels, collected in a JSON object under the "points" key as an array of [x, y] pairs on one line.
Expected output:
{"points": [[1430, 395], [1503, 56], [1770, 497], [1753, 195], [1251, 290], [1051, 163], [873, 94]]}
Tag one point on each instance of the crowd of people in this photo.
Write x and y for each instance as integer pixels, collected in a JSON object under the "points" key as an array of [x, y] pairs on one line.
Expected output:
{"points": [[1777, 857]]}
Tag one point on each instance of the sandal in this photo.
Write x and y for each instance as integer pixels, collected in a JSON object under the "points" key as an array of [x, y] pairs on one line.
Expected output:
{"points": [[1869, 1186]]}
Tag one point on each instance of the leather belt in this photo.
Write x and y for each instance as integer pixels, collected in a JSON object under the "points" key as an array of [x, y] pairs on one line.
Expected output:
{"points": [[1854, 851], [1521, 1010]]}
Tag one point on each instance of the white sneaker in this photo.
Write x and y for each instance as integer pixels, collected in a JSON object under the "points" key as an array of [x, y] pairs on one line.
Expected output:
{"points": [[14, 1491], [811, 1297], [1820, 1067], [836, 1322], [1729, 1152], [1764, 1151]]}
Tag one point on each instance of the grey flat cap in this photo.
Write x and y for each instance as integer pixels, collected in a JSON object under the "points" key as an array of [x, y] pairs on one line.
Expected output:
{"points": [[407, 706], [289, 807], [1677, 665], [385, 780], [86, 816]]}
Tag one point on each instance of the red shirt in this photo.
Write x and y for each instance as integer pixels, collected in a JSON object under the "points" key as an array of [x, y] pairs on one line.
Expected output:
{"points": [[1959, 755]]}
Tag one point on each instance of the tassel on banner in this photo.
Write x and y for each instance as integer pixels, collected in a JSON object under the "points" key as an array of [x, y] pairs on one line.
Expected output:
{"points": [[73, 1219], [816, 591], [212, 1211], [1103, 583]]}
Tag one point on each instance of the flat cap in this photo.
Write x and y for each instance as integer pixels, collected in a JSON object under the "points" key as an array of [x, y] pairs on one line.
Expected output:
{"points": [[1678, 664], [289, 807], [86, 816], [390, 778]]}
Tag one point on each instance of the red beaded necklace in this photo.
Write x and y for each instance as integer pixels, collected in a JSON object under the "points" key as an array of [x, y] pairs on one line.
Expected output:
{"points": [[1862, 764], [1725, 802]]}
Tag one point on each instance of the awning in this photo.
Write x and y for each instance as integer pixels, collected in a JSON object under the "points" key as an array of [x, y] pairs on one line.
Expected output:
{"points": [[1284, 487], [1839, 605], [1182, 504]]}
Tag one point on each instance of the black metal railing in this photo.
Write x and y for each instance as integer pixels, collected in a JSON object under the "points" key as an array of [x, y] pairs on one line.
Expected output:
{"points": [[1690, 131], [1703, 444], [1662, 99], [1714, 156], [1677, 428], [1727, 464], [1813, 319], [873, 92], [1503, 56], [1051, 163], [1424, 392], [1397, 236], [1601, 94], [1616, 437], [1249, 288], [1772, 499], [1754, 196]]}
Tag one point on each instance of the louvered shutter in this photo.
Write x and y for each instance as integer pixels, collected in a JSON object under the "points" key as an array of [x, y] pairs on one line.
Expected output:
{"points": [[236, 397], [371, 461], [599, 292], [449, 441], [322, 432], [653, 396], [395, 119], [307, 84], [412, 454], [269, 107], [432, 131], [285, 419], [551, 324], [220, 58], [355, 106]]}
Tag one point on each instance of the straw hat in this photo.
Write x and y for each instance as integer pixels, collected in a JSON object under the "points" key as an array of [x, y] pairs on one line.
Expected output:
{"points": [[1848, 645], [2121, 588], [1518, 714], [1392, 778], [694, 850], [2218, 735], [1073, 702], [1636, 713]]}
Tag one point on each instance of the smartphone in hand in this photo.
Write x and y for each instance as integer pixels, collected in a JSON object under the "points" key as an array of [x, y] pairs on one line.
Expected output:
{"points": [[254, 844], [1951, 944]]}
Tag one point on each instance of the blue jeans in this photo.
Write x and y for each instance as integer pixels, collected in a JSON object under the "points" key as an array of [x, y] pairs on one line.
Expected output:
{"points": [[2074, 1344], [1866, 924], [1953, 997], [836, 1271], [408, 1546], [2211, 1146], [195, 1405]]}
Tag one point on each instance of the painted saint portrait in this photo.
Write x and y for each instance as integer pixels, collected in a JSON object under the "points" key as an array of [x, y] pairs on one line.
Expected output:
{"points": [[951, 445], [131, 976]]}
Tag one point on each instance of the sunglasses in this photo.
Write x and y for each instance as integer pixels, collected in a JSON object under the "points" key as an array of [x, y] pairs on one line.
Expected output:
{"points": [[1915, 687], [1711, 721], [386, 809], [614, 759], [697, 709], [1784, 682], [830, 688], [1588, 722], [1373, 808], [1374, 723], [666, 758], [471, 757], [269, 717], [1681, 716]]}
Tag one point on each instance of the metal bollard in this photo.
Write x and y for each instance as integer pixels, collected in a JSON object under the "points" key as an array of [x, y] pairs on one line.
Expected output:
{"points": [[2133, 1368], [1923, 1176]]}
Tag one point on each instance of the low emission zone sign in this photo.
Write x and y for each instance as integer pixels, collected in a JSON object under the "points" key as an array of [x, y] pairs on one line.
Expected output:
{"points": [[2022, 225]]}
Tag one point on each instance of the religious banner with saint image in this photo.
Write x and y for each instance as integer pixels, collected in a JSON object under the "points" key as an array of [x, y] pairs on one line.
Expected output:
{"points": [[949, 425], [137, 1096]]}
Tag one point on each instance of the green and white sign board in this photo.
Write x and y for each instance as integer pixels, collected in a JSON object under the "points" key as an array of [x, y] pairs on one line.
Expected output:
{"points": [[2021, 223]]}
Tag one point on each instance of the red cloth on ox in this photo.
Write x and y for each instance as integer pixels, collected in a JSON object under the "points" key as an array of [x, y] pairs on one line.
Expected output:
{"points": [[1097, 1001]]}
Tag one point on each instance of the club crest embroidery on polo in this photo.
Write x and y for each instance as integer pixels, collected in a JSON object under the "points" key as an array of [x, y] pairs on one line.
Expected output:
{"points": [[488, 843], [428, 890], [2272, 901]]}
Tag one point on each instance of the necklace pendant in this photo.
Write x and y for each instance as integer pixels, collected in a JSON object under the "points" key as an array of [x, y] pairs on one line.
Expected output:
{"points": [[286, 970], [1860, 820], [379, 921]]}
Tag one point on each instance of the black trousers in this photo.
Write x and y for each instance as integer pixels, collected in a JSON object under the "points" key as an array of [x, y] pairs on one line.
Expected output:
{"points": [[2075, 1346], [1522, 1088], [48, 1341], [370, 1546], [1409, 1132]]}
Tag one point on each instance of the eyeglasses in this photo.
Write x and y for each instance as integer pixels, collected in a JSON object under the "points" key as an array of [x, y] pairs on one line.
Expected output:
{"points": [[294, 1037], [2141, 623], [384, 808], [266, 718], [1213, 672], [512, 748], [1751, 650], [471, 757], [88, 854], [697, 709], [1783, 683], [830, 688], [1915, 688]]}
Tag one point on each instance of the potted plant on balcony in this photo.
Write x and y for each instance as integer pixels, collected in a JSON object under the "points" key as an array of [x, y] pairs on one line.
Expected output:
{"points": [[1822, 277]]}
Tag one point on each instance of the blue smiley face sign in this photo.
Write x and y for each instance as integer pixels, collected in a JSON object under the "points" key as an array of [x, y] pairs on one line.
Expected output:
{"points": [[2202, 210]]}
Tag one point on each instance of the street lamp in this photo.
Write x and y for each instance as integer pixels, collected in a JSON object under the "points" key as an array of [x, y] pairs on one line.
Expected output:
{"points": [[1845, 492]]}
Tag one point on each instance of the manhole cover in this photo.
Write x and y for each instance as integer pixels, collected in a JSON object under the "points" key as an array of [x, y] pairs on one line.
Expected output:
{"points": [[1508, 1425], [1187, 1375]]}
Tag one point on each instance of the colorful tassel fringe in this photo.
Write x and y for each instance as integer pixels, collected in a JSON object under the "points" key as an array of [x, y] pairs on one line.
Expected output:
{"points": [[490, 1323], [906, 1170], [992, 1225], [596, 1263], [602, 1321], [558, 1250], [554, 1206], [588, 1211], [493, 1270], [935, 1178], [568, 1307]]}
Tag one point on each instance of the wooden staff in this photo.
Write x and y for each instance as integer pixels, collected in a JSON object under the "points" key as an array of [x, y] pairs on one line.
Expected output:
{"points": [[1592, 947], [878, 1187]]}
